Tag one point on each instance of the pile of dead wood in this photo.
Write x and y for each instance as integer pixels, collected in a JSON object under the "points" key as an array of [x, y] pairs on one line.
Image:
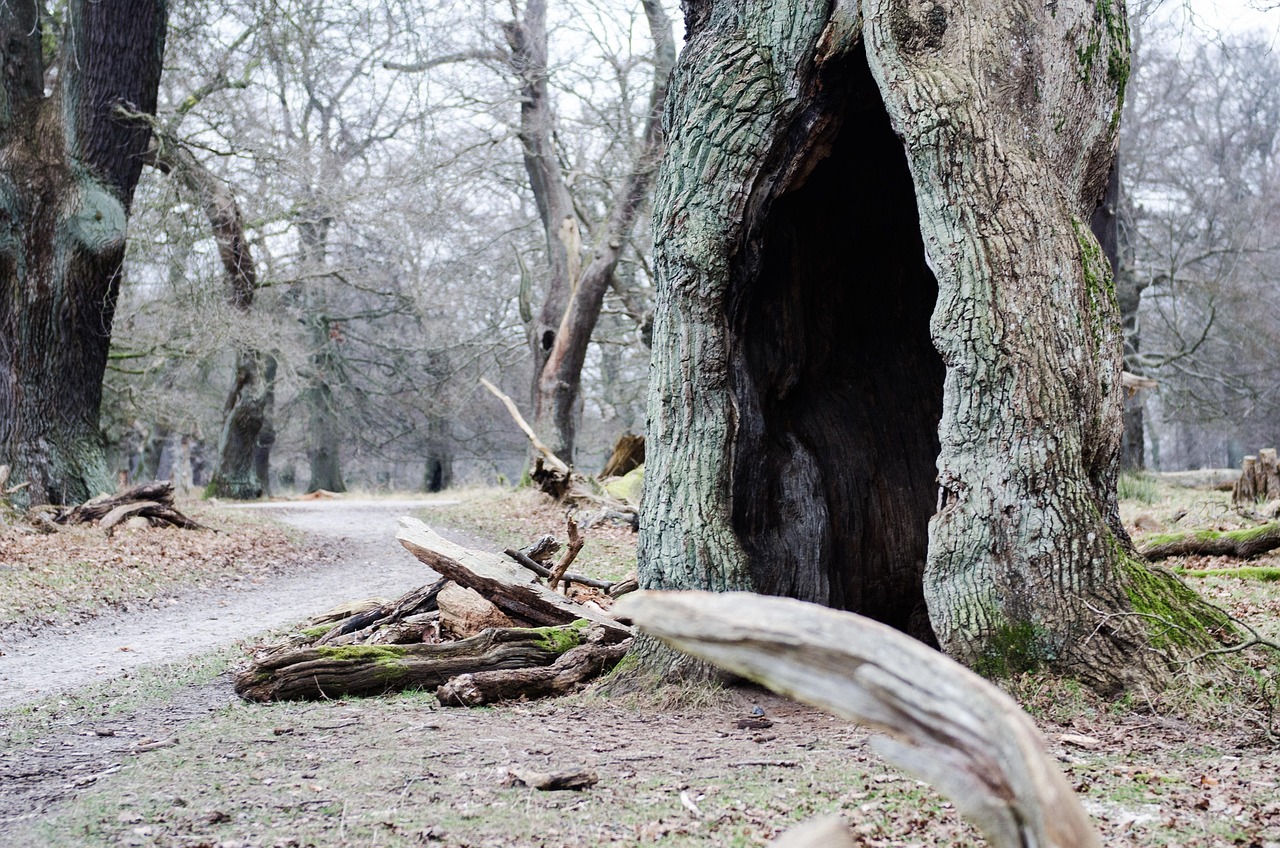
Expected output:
{"points": [[611, 496], [147, 505], [488, 630]]}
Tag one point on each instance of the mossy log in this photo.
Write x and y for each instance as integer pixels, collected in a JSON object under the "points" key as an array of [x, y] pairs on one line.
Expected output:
{"points": [[1234, 543], [511, 588], [331, 672], [571, 670]]}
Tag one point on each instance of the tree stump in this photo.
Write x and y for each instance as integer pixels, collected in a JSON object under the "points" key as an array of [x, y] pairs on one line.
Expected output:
{"points": [[1259, 479]]}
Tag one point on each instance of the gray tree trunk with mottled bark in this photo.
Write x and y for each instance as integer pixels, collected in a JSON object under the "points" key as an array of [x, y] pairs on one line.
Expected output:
{"points": [[886, 348], [69, 164]]}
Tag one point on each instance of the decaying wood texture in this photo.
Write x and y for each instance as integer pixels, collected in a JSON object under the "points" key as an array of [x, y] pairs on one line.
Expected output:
{"points": [[153, 501], [1233, 543], [1259, 479], [331, 672], [465, 612], [628, 454], [511, 588], [364, 617], [566, 674], [944, 724], [554, 780]]}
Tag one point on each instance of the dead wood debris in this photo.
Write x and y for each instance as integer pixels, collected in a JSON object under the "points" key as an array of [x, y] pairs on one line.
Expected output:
{"points": [[597, 500], [487, 630], [149, 502]]}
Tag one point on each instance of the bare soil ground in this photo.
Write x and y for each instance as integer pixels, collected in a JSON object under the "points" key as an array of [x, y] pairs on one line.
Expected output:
{"points": [[164, 755]]}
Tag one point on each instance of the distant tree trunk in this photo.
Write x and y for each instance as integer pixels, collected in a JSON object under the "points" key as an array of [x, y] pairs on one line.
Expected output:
{"points": [[267, 434], [1109, 224], [245, 412], [324, 432], [324, 428], [68, 168], [561, 334], [870, 260]]}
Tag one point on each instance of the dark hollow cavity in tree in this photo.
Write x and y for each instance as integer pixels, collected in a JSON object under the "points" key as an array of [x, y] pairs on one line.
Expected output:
{"points": [[837, 383]]}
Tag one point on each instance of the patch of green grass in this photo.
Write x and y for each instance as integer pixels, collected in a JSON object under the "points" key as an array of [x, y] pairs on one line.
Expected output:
{"points": [[1134, 486], [1265, 574]]}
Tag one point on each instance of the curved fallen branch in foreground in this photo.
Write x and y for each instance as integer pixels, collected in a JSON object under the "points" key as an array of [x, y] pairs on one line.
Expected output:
{"points": [[945, 724], [1244, 544]]}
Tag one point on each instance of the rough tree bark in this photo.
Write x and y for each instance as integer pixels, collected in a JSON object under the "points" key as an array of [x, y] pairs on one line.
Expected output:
{"points": [[69, 164], [247, 410], [873, 255], [574, 295]]}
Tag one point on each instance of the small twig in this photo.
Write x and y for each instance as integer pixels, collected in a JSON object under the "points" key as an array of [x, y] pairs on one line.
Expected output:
{"points": [[569, 576], [576, 542]]}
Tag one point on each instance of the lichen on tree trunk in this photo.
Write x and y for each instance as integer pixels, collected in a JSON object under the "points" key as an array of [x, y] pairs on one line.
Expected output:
{"points": [[872, 257]]}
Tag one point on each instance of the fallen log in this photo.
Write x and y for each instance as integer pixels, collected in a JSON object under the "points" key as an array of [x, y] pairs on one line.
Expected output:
{"points": [[945, 724], [511, 588], [566, 674], [153, 501], [332, 672], [1244, 544]]}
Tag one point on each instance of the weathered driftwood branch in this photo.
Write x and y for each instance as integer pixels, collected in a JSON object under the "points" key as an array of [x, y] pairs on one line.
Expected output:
{"points": [[1235, 543], [614, 589], [416, 602], [512, 589], [331, 672], [944, 723], [549, 458], [571, 670]]}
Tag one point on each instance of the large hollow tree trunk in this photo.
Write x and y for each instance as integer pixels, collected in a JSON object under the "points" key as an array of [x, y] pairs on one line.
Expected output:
{"points": [[871, 261], [68, 168]]}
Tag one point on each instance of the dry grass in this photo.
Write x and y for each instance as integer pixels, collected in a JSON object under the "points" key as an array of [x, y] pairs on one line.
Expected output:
{"points": [[515, 517]]}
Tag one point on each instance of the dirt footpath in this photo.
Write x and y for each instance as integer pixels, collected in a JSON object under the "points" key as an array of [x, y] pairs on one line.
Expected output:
{"points": [[366, 561]]}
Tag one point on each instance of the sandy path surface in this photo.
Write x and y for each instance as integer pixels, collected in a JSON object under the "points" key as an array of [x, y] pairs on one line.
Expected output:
{"points": [[368, 561]]}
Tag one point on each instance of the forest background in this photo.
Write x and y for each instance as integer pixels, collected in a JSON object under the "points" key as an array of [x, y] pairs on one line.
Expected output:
{"points": [[405, 247]]}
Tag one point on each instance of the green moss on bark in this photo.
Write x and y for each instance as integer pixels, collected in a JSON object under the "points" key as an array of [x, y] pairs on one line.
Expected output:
{"points": [[557, 640], [1177, 616], [1014, 648]]}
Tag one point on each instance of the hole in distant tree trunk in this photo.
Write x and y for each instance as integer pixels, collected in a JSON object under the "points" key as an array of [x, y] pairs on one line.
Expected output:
{"points": [[548, 339], [837, 382]]}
